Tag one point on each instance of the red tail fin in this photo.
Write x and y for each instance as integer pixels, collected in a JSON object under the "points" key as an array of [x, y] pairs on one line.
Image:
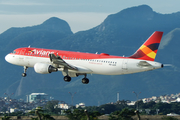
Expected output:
{"points": [[149, 49]]}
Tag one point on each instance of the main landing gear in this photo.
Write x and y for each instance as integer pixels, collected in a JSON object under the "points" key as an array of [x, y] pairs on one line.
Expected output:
{"points": [[67, 78], [84, 80], [25, 69]]}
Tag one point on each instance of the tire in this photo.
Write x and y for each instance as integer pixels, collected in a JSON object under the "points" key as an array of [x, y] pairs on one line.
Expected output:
{"points": [[24, 74], [85, 80], [67, 78]]}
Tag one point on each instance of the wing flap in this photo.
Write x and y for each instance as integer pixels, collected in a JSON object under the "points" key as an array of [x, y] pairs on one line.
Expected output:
{"points": [[59, 61]]}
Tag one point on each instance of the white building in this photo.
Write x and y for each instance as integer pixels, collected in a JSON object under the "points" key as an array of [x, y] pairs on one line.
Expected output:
{"points": [[36, 97], [178, 99], [11, 110], [131, 103], [63, 106], [82, 105]]}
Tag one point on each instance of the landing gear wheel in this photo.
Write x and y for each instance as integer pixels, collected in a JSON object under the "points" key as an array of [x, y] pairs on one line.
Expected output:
{"points": [[24, 74], [67, 78], [85, 80]]}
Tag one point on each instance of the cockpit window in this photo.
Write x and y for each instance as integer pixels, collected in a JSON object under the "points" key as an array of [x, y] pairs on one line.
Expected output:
{"points": [[14, 52]]}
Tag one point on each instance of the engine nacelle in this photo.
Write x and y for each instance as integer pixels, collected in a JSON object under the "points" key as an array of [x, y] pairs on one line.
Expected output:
{"points": [[44, 68]]}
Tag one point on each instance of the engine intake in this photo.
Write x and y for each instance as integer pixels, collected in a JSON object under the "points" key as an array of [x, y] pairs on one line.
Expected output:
{"points": [[44, 68]]}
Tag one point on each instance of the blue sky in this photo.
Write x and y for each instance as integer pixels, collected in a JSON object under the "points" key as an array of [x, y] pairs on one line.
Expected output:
{"points": [[80, 14]]}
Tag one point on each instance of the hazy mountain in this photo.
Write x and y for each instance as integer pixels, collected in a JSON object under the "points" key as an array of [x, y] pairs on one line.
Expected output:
{"points": [[40, 35], [120, 34], [134, 24]]}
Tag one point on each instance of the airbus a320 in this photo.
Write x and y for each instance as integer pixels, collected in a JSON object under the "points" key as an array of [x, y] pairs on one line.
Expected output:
{"points": [[73, 64]]}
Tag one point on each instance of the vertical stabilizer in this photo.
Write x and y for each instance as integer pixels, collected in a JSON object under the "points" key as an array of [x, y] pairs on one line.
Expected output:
{"points": [[149, 49]]}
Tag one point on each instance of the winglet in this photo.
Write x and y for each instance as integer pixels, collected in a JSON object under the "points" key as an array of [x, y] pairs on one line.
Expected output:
{"points": [[149, 49]]}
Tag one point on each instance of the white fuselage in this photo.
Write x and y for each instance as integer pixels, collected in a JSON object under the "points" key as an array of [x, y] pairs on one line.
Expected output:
{"points": [[109, 66]]}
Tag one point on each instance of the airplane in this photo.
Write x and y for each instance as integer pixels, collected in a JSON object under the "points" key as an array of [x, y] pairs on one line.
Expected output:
{"points": [[73, 64]]}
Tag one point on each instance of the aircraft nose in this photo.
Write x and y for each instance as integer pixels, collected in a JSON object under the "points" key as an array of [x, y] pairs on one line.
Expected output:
{"points": [[7, 58]]}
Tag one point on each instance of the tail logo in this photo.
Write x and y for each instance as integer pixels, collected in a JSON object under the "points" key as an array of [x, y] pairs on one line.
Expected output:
{"points": [[149, 49]]}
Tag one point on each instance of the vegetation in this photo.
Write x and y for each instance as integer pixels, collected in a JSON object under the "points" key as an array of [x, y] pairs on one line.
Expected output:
{"points": [[80, 114], [51, 107], [169, 118], [163, 108], [41, 115], [118, 111], [124, 114], [5, 117]]}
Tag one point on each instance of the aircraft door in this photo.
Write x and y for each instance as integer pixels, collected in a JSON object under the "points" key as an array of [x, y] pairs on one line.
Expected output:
{"points": [[21, 57], [124, 66]]}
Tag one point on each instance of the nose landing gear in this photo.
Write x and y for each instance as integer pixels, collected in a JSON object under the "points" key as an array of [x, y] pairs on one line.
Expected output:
{"points": [[25, 69]]}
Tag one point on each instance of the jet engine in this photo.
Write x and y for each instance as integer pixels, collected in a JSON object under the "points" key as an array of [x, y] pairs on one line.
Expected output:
{"points": [[44, 68]]}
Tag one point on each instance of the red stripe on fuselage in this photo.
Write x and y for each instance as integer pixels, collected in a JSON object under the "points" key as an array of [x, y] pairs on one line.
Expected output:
{"points": [[38, 52]]}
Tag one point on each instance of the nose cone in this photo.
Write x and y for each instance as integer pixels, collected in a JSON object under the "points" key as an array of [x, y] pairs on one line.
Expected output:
{"points": [[8, 58]]}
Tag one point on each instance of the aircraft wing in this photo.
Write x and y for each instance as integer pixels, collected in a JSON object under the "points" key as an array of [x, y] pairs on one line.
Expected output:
{"points": [[144, 64], [59, 61]]}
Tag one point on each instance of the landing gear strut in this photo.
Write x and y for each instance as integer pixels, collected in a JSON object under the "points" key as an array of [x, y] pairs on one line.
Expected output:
{"points": [[25, 69], [85, 80]]}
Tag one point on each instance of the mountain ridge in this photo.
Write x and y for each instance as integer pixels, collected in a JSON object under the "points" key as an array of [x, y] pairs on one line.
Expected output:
{"points": [[41, 33]]}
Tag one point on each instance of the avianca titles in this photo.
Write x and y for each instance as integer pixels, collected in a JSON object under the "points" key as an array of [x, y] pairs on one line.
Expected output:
{"points": [[73, 64]]}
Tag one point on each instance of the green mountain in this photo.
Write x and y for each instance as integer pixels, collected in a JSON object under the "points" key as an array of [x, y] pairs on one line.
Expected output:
{"points": [[121, 33]]}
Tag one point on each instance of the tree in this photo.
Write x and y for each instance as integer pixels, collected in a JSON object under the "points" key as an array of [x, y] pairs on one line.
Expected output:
{"points": [[5, 117], [41, 115], [47, 117], [124, 114], [76, 114], [80, 114], [107, 108], [165, 108], [38, 112], [50, 106], [112, 117]]}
